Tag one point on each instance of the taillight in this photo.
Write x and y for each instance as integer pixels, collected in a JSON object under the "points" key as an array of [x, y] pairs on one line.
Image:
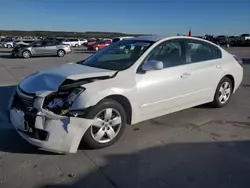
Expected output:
{"points": [[239, 60]]}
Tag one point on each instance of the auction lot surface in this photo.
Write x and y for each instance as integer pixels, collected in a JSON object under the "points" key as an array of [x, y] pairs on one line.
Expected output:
{"points": [[199, 147]]}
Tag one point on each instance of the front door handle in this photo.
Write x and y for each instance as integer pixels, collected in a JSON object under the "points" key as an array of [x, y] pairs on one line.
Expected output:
{"points": [[185, 75], [218, 67]]}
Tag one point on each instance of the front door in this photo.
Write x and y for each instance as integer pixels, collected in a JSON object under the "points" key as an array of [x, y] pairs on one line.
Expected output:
{"points": [[164, 91], [205, 69], [38, 48]]}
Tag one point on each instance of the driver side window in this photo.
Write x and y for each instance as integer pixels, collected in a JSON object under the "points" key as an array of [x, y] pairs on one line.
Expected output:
{"points": [[171, 53]]}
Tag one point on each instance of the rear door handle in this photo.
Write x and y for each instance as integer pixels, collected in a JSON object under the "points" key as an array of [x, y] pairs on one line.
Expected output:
{"points": [[218, 67], [185, 75]]}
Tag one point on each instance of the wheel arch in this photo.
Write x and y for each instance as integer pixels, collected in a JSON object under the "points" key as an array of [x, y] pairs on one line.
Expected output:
{"points": [[231, 79], [30, 51], [61, 49], [125, 104]]}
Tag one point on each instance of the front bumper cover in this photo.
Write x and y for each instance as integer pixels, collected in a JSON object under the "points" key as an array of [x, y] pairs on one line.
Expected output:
{"points": [[63, 134]]}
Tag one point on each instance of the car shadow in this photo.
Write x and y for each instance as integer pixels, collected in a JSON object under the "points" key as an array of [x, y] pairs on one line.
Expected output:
{"points": [[10, 141], [176, 165], [6, 56]]}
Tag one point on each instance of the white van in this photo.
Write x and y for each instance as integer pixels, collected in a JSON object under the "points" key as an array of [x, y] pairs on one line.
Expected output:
{"points": [[72, 42]]}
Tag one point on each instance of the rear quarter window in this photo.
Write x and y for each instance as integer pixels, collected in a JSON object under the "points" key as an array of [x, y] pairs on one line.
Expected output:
{"points": [[199, 51]]}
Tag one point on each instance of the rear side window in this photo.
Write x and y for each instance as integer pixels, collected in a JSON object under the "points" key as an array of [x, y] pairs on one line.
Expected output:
{"points": [[49, 43], [198, 51]]}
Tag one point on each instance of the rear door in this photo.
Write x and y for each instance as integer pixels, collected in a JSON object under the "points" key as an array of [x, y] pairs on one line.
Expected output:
{"points": [[163, 91], [204, 70], [50, 47]]}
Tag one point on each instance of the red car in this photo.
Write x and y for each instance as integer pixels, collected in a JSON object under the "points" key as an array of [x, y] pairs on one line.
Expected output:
{"points": [[100, 45]]}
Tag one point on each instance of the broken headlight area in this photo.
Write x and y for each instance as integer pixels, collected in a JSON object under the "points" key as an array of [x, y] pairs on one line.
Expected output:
{"points": [[60, 102]]}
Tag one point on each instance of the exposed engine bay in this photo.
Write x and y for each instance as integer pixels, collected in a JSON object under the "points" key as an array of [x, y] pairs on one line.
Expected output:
{"points": [[59, 102]]}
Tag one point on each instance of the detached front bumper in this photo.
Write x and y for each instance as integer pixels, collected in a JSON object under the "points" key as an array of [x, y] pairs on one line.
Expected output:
{"points": [[49, 131]]}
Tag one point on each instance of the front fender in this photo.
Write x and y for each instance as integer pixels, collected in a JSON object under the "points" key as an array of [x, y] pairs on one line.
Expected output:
{"points": [[88, 99]]}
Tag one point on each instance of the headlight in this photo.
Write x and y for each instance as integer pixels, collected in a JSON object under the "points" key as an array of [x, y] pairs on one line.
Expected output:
{"points": [[74, 94], [60, 101]]}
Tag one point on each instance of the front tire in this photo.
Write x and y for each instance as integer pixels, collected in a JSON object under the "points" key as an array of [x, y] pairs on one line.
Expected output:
{"points": [[26, 54], [223, 93], [60, 53], [110, 121], [97, 48]]}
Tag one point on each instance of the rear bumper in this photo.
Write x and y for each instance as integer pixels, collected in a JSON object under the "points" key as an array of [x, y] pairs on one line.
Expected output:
{"points": [[238, 77], [48, 131]]}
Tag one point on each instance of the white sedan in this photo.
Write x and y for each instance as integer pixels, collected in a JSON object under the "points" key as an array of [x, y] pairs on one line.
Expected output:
{"points": [[128, 82]]}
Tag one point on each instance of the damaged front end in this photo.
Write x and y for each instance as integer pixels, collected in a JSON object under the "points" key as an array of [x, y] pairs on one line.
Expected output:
{"points": [[60, 102], [41, 106], [47, 121], [49, 128]]}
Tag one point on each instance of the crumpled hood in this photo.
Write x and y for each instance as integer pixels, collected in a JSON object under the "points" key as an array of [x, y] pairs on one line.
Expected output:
{"points": [[51, 79]]}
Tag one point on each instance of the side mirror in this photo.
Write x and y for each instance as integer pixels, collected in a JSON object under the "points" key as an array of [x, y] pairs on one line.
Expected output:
{"points": [[152, 65]]}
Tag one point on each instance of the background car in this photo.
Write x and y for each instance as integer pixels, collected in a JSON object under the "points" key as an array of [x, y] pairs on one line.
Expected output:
{"points": [[72, 42], [120, 38], [83, 41], [41, 48], [22, 42], [91, 41], [99, 45], [222, 40], [7, 43]]}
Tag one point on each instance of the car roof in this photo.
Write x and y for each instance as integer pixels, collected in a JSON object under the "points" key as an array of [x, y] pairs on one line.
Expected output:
{"points": [[153, 38]]}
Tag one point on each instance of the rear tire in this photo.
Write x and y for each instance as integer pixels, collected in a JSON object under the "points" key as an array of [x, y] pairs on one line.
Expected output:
{"points": [[97, 48], [60, 53], [77, 45], [26, 54], [111, 119], [223, 93]]}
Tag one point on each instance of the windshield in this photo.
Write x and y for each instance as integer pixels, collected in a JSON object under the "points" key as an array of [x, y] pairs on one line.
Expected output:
{"points": [[118, 56]]}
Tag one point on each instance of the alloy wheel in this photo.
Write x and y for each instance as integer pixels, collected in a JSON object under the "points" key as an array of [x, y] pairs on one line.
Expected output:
{"points": [[107, 125], [224, 92], [26, 54], [60, 53]]}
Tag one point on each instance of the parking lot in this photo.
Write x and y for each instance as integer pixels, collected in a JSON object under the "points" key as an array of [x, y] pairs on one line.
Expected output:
{"points": [[198, 147]]}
